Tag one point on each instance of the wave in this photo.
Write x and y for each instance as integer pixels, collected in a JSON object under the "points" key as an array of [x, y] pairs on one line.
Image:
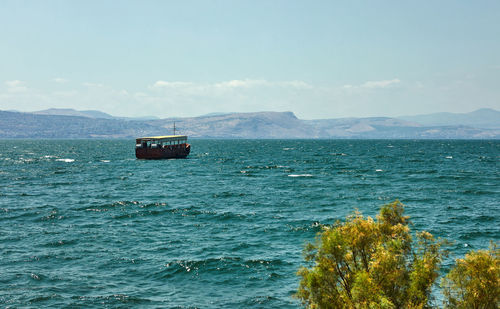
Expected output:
{"points": [[222, 264], [300, 175], [134, 209], [104, 301], [60, 243], [265, 167]]}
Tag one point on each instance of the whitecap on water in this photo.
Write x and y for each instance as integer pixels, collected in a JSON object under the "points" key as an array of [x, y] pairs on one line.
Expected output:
{"points": [[379, 170], [105, 161], [66, 160], [300, 175], [449, 157]]}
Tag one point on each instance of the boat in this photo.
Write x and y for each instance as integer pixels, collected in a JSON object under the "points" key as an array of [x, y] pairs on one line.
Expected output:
{"points": [[162, 147]]}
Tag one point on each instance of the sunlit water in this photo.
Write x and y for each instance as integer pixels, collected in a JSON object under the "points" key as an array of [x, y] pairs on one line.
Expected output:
{"points": [[83, 223]]}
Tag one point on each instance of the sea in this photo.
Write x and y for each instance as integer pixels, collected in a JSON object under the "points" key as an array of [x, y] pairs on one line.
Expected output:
{"points": [[84, 224]]}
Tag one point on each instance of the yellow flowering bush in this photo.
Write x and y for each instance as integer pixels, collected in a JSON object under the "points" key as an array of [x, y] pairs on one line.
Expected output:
{"points": [[474, 282], [367, 263]]}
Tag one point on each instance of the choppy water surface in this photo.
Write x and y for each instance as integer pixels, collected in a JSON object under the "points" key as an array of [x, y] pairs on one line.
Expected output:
{"points": [[83, 223]]}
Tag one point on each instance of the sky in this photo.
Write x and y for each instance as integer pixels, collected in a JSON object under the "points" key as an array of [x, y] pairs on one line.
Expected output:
{"points": [[318, 59]]}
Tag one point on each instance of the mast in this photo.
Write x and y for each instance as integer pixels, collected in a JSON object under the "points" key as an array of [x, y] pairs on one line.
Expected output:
{"points": [[174, 127]]}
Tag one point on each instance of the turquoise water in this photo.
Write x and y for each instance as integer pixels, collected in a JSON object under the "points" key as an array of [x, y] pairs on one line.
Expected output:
{"points": [[85, 224]]}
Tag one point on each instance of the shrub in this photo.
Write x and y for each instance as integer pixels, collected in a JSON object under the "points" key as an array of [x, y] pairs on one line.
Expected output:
{"points": [[366, 263], [474, 282]]}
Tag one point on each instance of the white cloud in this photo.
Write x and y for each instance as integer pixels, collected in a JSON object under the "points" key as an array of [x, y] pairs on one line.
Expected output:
{"points": [[381, 83], [16, 86], [247, 83], [229, 85], [196, 98], [374, 84], [14, 83], [297, 84], [165, 84], [234, 87], [183, 99], [59, 80]]}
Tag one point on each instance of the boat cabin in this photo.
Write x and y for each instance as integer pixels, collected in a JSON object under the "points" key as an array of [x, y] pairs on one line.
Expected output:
{"points": [[160, 141], [162, 147]]}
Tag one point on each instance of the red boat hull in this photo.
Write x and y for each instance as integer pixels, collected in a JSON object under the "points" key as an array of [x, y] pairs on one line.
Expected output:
{"points": [[167, 152]]}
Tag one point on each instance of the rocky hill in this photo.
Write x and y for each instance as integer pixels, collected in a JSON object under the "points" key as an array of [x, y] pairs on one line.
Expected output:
{"points": [[92, 124], [28, 125]]}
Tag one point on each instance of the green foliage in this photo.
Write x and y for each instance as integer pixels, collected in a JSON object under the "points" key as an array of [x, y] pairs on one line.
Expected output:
{"points": [[366, 263], [474, 282]]}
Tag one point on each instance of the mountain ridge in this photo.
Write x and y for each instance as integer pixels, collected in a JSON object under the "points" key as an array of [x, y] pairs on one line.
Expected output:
{"points": [[485, 118], [274, 125], [86, 113]]}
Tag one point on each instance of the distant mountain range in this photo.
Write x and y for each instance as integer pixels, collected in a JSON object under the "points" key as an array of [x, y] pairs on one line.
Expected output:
{"points": [[69, 123], [88, 114], [482, 118]]}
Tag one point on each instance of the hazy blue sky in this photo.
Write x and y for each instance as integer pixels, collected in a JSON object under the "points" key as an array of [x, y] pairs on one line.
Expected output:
{"points": [[319, 59]]}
